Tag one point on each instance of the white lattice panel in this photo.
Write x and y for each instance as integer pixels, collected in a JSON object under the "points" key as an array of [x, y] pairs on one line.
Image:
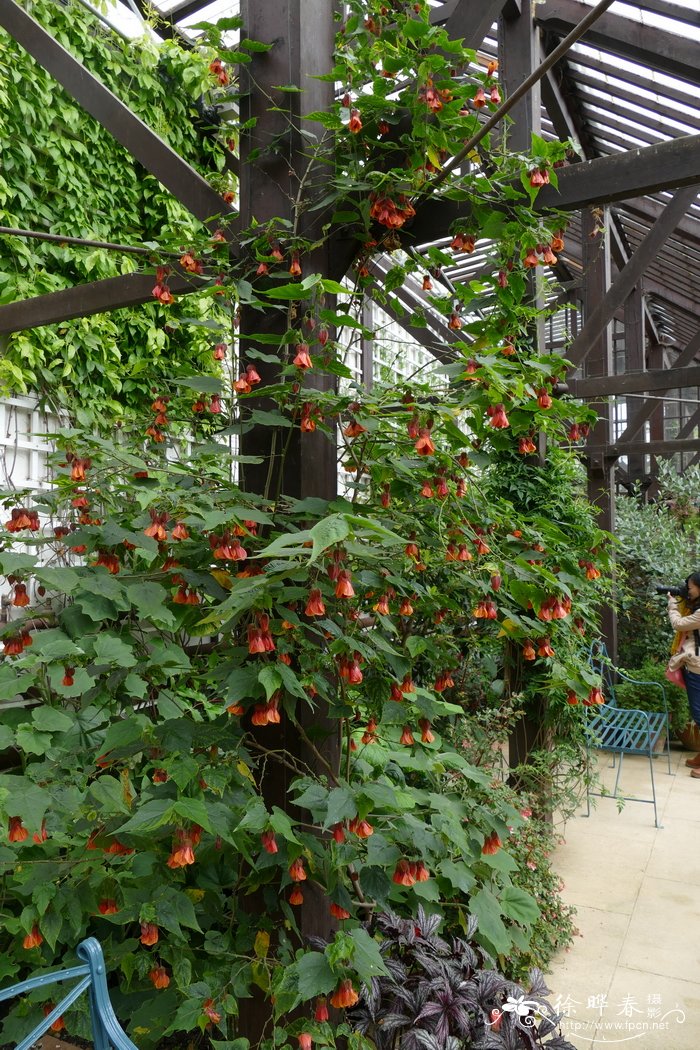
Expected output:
{"points": [[24, 450]]}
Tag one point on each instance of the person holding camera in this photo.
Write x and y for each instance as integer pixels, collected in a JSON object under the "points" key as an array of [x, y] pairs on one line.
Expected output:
{"points": [[684, 615]]}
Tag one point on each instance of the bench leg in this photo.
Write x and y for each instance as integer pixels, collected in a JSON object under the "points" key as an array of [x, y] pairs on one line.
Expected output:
{"points": [[653, 785]]}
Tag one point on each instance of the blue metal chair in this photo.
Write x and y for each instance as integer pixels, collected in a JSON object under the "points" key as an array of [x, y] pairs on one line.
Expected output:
{"points": [[623, 731], [107, 1033]]}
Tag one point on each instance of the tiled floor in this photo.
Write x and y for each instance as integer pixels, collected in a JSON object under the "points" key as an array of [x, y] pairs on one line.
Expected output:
{"points": [[632, 977]]}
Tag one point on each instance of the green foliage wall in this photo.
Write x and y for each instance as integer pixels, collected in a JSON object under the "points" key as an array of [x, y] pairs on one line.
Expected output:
{"points": [[63, 173]]}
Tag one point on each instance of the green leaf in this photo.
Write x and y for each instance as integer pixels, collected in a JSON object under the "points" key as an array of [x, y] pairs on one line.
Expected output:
{"points": [[51, 926], [270, 679], [149, 817], [201, 384], [491, 928], [193, 809], [125, 733], [282, 825], [53, 644], [458, 874], [315, 976], [149, 600], [31, 741], [63, 580], [341, 806], [108, 791], [19, 564], [293, 291], [49, 720], [367, 958], [519, 905], [110, 649], [327, 532]]}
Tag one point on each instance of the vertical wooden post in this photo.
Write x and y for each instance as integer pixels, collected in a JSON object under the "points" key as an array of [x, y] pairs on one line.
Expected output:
{"points": [[518, 55], [279, 179], [635, 361], [601, 468]]}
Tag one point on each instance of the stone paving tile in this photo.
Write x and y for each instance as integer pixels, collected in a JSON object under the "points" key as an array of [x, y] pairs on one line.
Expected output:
{"points": [[638, 910]]}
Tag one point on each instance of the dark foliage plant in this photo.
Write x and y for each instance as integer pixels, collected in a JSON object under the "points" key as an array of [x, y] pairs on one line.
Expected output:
{"points": [[443, 994]]}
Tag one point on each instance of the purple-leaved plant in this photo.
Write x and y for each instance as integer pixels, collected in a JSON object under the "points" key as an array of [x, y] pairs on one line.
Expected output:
{"points": [[446, 995]]}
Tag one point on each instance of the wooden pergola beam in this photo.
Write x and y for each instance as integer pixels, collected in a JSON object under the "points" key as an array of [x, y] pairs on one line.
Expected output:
{"points": [[602, 180], [179, 177], [666, 447], [83, 300], [635, 382], [645, 411], [630, 275], [648, 45]]}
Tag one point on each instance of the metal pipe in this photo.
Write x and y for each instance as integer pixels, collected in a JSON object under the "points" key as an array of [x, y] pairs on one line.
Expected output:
{"points": [[59, 238]]}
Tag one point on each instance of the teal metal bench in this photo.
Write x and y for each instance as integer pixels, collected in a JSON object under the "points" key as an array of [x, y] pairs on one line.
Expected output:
{"points": [[107, 1033], [624, 731]]}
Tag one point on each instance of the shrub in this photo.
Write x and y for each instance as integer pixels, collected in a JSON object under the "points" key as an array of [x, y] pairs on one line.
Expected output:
{"points": [[636, 695]]}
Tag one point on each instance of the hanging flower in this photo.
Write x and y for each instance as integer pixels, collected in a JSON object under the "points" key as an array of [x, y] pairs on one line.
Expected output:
{"points": [[424, 445], [403, 875], [295, 266], [362, 828], [406, 737], [344, 995], [216, 68], [16, 830], [20, 598], [543, 398], [594, 698], [159, 976], [302, 359], [33, 939], [426, 736], [355, 122], [530, 261], [209, 1011], [529, 651], [544, 648], [339, 913], [59, 1024], [109, 561], [354, 429], [492, 844], [479, 100], [526, 446], [495, 96], [499, 419], [315, 606], [297, 872], [108, 906], [321, 1011], [343, 587], [183, 854], [338, 833], [149, 934], [41, 835], [296, 897], [269, 842]]}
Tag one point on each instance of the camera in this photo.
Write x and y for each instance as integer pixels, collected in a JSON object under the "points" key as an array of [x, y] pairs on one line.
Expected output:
{"points": [[675, 591]]}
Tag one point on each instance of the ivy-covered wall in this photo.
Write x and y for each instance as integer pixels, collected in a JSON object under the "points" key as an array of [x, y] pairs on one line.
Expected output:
{"points": [[62, 172]]}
